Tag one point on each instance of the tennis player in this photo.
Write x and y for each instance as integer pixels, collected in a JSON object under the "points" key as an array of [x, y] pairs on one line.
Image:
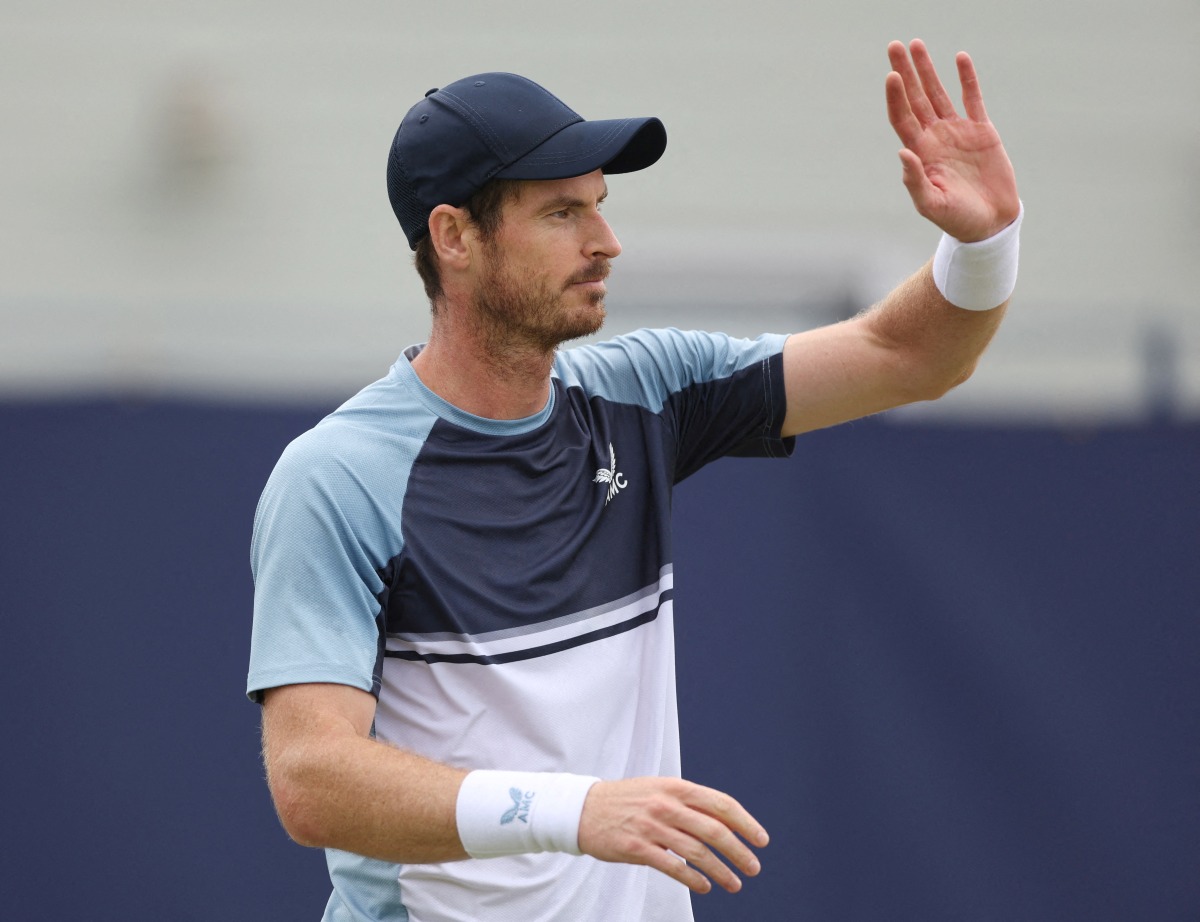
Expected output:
{"points": [[463, 612]]}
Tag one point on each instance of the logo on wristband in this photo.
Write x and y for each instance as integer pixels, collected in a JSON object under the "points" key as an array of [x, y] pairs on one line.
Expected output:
{"points": [[522, 800]]}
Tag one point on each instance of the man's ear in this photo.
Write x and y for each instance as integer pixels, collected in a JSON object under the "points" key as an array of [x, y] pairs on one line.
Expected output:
{"points": [[452, 235]]}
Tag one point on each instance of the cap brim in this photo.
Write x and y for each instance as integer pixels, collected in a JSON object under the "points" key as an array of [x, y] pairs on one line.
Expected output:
{"points": [[613, 145]]}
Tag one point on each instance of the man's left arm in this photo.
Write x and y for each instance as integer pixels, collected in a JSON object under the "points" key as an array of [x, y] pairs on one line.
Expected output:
{"points": [[918, 342]]}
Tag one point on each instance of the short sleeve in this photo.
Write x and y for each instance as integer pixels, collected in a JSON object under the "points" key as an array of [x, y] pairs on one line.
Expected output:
{"points": [[718, 394], [732, 402], [314, 556]]}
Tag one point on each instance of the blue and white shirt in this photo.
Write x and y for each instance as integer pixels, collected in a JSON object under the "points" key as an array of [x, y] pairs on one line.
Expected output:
{"points": [[504, 587]]}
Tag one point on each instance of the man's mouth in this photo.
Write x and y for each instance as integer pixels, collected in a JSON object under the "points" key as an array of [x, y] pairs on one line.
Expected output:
{"points": [[594, 274]]}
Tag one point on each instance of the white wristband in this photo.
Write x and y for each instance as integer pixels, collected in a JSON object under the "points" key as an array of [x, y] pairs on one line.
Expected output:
{"points": [[511, 813], [982, 275]]}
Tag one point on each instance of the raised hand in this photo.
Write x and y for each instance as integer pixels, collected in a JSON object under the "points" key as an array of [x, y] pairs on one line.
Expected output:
{"points": [[955, 168], [663, 822]]}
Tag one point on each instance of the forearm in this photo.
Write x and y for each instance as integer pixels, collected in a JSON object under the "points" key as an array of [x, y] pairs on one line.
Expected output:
{"points": [[914, 345], [936, 344], [335, 787]]}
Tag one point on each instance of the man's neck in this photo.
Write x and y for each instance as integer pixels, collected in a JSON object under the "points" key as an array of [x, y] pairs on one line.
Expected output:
{"points": [[492, 380]]}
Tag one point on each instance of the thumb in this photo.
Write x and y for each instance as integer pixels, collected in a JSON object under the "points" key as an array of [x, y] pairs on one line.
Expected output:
{"points": [[914, 179]]}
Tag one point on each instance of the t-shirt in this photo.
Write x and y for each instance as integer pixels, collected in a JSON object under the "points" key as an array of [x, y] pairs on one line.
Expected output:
{"points": [[504, 588]]}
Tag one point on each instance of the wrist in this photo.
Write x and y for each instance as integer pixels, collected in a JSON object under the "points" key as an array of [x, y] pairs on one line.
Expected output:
{"points": [[981, 275], [511, 813]]}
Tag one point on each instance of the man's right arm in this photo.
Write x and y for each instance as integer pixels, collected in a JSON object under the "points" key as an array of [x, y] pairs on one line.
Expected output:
{"points": [[336, 787]]}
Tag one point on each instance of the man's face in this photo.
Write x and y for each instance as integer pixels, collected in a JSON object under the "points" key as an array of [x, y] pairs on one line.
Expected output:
{"points": [[541, 281]]}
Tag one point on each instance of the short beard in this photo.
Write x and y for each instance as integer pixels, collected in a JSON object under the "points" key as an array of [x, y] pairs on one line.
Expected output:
{"points": [[518, 312]]}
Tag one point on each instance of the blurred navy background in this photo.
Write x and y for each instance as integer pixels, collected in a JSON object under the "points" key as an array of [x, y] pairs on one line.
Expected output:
{"points": [[952, 669]]}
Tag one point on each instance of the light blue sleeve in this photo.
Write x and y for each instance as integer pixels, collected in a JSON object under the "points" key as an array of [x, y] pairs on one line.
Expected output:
{"points": [[324, 527], [646, 367], [715, 395]]}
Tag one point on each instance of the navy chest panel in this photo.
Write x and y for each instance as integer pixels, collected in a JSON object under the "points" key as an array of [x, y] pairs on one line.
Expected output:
{"points": [[508, 531]]}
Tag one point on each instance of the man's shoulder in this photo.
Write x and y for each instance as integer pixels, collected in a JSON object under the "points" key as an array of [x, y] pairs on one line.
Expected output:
{"points": [[647, 343], [648, 365], [376, 430], [636, 349], [635, 342]]}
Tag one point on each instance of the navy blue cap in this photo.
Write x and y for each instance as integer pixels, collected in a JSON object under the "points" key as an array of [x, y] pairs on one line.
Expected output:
{"points": [[502, 126]]}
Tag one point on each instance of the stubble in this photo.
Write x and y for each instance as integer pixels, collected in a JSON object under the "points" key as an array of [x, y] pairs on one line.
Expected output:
{"points": [[519, 311]]}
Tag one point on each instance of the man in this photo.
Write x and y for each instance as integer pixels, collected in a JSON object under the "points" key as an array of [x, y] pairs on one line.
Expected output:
{"points": [[462, 636]]}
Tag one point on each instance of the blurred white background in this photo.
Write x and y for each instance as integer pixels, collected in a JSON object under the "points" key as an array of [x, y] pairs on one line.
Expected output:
{"points": [[192, 198]]}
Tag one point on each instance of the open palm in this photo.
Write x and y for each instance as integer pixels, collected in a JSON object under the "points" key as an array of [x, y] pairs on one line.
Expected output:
{"points": [[955, 168]]}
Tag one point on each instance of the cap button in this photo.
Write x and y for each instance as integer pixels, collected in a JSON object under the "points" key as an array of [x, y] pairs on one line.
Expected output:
{"points": [[479, 83], [429, 93]]}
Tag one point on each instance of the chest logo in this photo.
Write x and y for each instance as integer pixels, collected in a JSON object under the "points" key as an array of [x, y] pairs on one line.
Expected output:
{"points": [[610, 475]]}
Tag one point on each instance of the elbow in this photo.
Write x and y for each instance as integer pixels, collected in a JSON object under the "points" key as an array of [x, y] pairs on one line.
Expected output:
{"points": [[300, 826], [297, 805], [935, 382], [962, 378]]}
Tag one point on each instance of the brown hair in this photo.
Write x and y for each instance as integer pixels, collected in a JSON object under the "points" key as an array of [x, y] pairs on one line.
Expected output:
{"points": [[486, 211]]}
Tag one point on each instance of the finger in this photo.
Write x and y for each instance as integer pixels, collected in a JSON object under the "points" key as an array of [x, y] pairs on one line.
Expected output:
{"points": [[900, 114], [703, 861], [731, 815], [920, 189], [972, 94], [706, 826], [913, 91], [676, 868], [703, 835], [932, 84]]}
